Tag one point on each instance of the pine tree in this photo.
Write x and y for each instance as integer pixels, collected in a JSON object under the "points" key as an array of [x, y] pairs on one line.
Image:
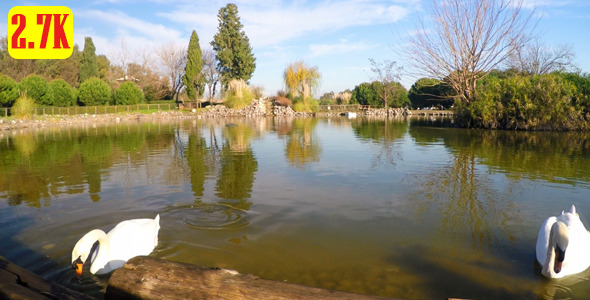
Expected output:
{"points": [[234, 54], [88, 65], [193, 78]]}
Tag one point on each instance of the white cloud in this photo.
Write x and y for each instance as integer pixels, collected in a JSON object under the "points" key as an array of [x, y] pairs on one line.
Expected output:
{"points": [[344, 46], [281, 24], [275, 22], [124, 23]]}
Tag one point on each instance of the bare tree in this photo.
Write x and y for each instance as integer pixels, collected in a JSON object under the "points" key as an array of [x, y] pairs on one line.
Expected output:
{"points": [[120, 55], [173, 58], [387, 73], [536, 59], [468, 39], [210, 71]]}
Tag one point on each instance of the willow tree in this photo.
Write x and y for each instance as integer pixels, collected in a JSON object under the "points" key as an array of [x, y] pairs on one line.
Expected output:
{"points": [[301, 79], [468, 39]]}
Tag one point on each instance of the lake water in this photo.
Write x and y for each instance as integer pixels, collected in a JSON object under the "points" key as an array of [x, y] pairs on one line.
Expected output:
{"points": [[396, 208]]}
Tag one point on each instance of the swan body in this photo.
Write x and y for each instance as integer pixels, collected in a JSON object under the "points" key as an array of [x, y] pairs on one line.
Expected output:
{"points": [[128, 239], [563, 245]]}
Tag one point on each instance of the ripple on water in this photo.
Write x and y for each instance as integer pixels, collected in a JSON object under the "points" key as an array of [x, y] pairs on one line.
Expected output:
{"points": [[557, 291], [210, 216]]}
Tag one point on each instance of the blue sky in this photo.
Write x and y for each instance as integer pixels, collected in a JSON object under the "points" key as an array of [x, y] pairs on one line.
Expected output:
{"points": [[337, 36]]}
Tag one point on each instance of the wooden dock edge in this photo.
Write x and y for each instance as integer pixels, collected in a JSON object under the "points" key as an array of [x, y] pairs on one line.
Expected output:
{"points": [[18, 283], [152, 278]]}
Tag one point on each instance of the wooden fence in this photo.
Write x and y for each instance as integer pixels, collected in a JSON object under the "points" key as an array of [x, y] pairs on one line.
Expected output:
{"points": [[76, 110]]}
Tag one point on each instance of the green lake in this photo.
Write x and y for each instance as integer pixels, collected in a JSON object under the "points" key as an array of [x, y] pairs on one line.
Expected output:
{"points": [[396, 208]]}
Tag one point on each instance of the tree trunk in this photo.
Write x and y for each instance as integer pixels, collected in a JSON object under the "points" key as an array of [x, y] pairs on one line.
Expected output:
{"points": [[152, 278]]}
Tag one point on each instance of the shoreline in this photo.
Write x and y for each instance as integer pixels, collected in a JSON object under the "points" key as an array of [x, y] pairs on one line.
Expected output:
{"points": [[258, 108]]}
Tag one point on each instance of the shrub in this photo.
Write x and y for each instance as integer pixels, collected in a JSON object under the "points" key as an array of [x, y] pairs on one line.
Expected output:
{"points": [[309, 105], [63, 93], [128, 93], [37, 88], [8, 91], [24, 107], [94, 91], [541, 102], [238, 94]]}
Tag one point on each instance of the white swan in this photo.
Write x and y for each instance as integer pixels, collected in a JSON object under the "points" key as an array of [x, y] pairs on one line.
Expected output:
{"points": [[128, 239], [563, 245]]}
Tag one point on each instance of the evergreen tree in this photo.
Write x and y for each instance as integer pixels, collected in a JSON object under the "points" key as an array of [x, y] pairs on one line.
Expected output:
{"points": [[193, 78], [234, 54], [89, 64]]}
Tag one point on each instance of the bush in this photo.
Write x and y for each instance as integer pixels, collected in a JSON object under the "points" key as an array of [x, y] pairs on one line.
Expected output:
{"points": [[37, 88], [238, 94], [8, 91], [541, 102], [309, 105], [93, 92], [128, 93], [24, 107], [63, 93]]}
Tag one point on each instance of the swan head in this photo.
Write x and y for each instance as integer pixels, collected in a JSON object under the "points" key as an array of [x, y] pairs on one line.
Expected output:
{"points": [[83, 248], [559, 240]]}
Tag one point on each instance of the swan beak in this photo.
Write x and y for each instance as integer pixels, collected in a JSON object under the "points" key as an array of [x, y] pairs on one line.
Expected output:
{"points": [[559, 257], [77, 265]]}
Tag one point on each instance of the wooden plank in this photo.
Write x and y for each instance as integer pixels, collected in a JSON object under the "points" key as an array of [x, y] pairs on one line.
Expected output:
{"points": [[18, 283], [152, 278]]}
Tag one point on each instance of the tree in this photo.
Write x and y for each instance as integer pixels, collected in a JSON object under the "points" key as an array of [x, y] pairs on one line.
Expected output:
{"points": [[63, 93], [234, 54], [154, 86], [364, 94], [467, 40], [193, 78], [210, 71], [370, 94], [128, 93], [37, 89], [536, 59], [103, 66], [429, 92], [69, 68], [88, 65], [173, 58], [17, 69], [387, 73], [300, 79], [94, 91], [8, 91]]}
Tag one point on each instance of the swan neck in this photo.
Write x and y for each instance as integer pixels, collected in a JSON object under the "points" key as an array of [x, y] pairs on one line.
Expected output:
{"points": [[550, 257], [103, 251]]}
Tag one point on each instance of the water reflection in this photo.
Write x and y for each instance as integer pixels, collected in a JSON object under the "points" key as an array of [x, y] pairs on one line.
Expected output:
{"points": [[39, 165], [302, 146], [238, 165], [382, 131], [390, 207]]}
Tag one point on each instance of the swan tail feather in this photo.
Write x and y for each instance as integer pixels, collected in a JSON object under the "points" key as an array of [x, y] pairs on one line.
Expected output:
{"points": [[573, 209]]}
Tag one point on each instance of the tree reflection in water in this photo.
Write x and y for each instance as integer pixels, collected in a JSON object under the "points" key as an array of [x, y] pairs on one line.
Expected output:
{"points": [[302, 145], [384, 132]]}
